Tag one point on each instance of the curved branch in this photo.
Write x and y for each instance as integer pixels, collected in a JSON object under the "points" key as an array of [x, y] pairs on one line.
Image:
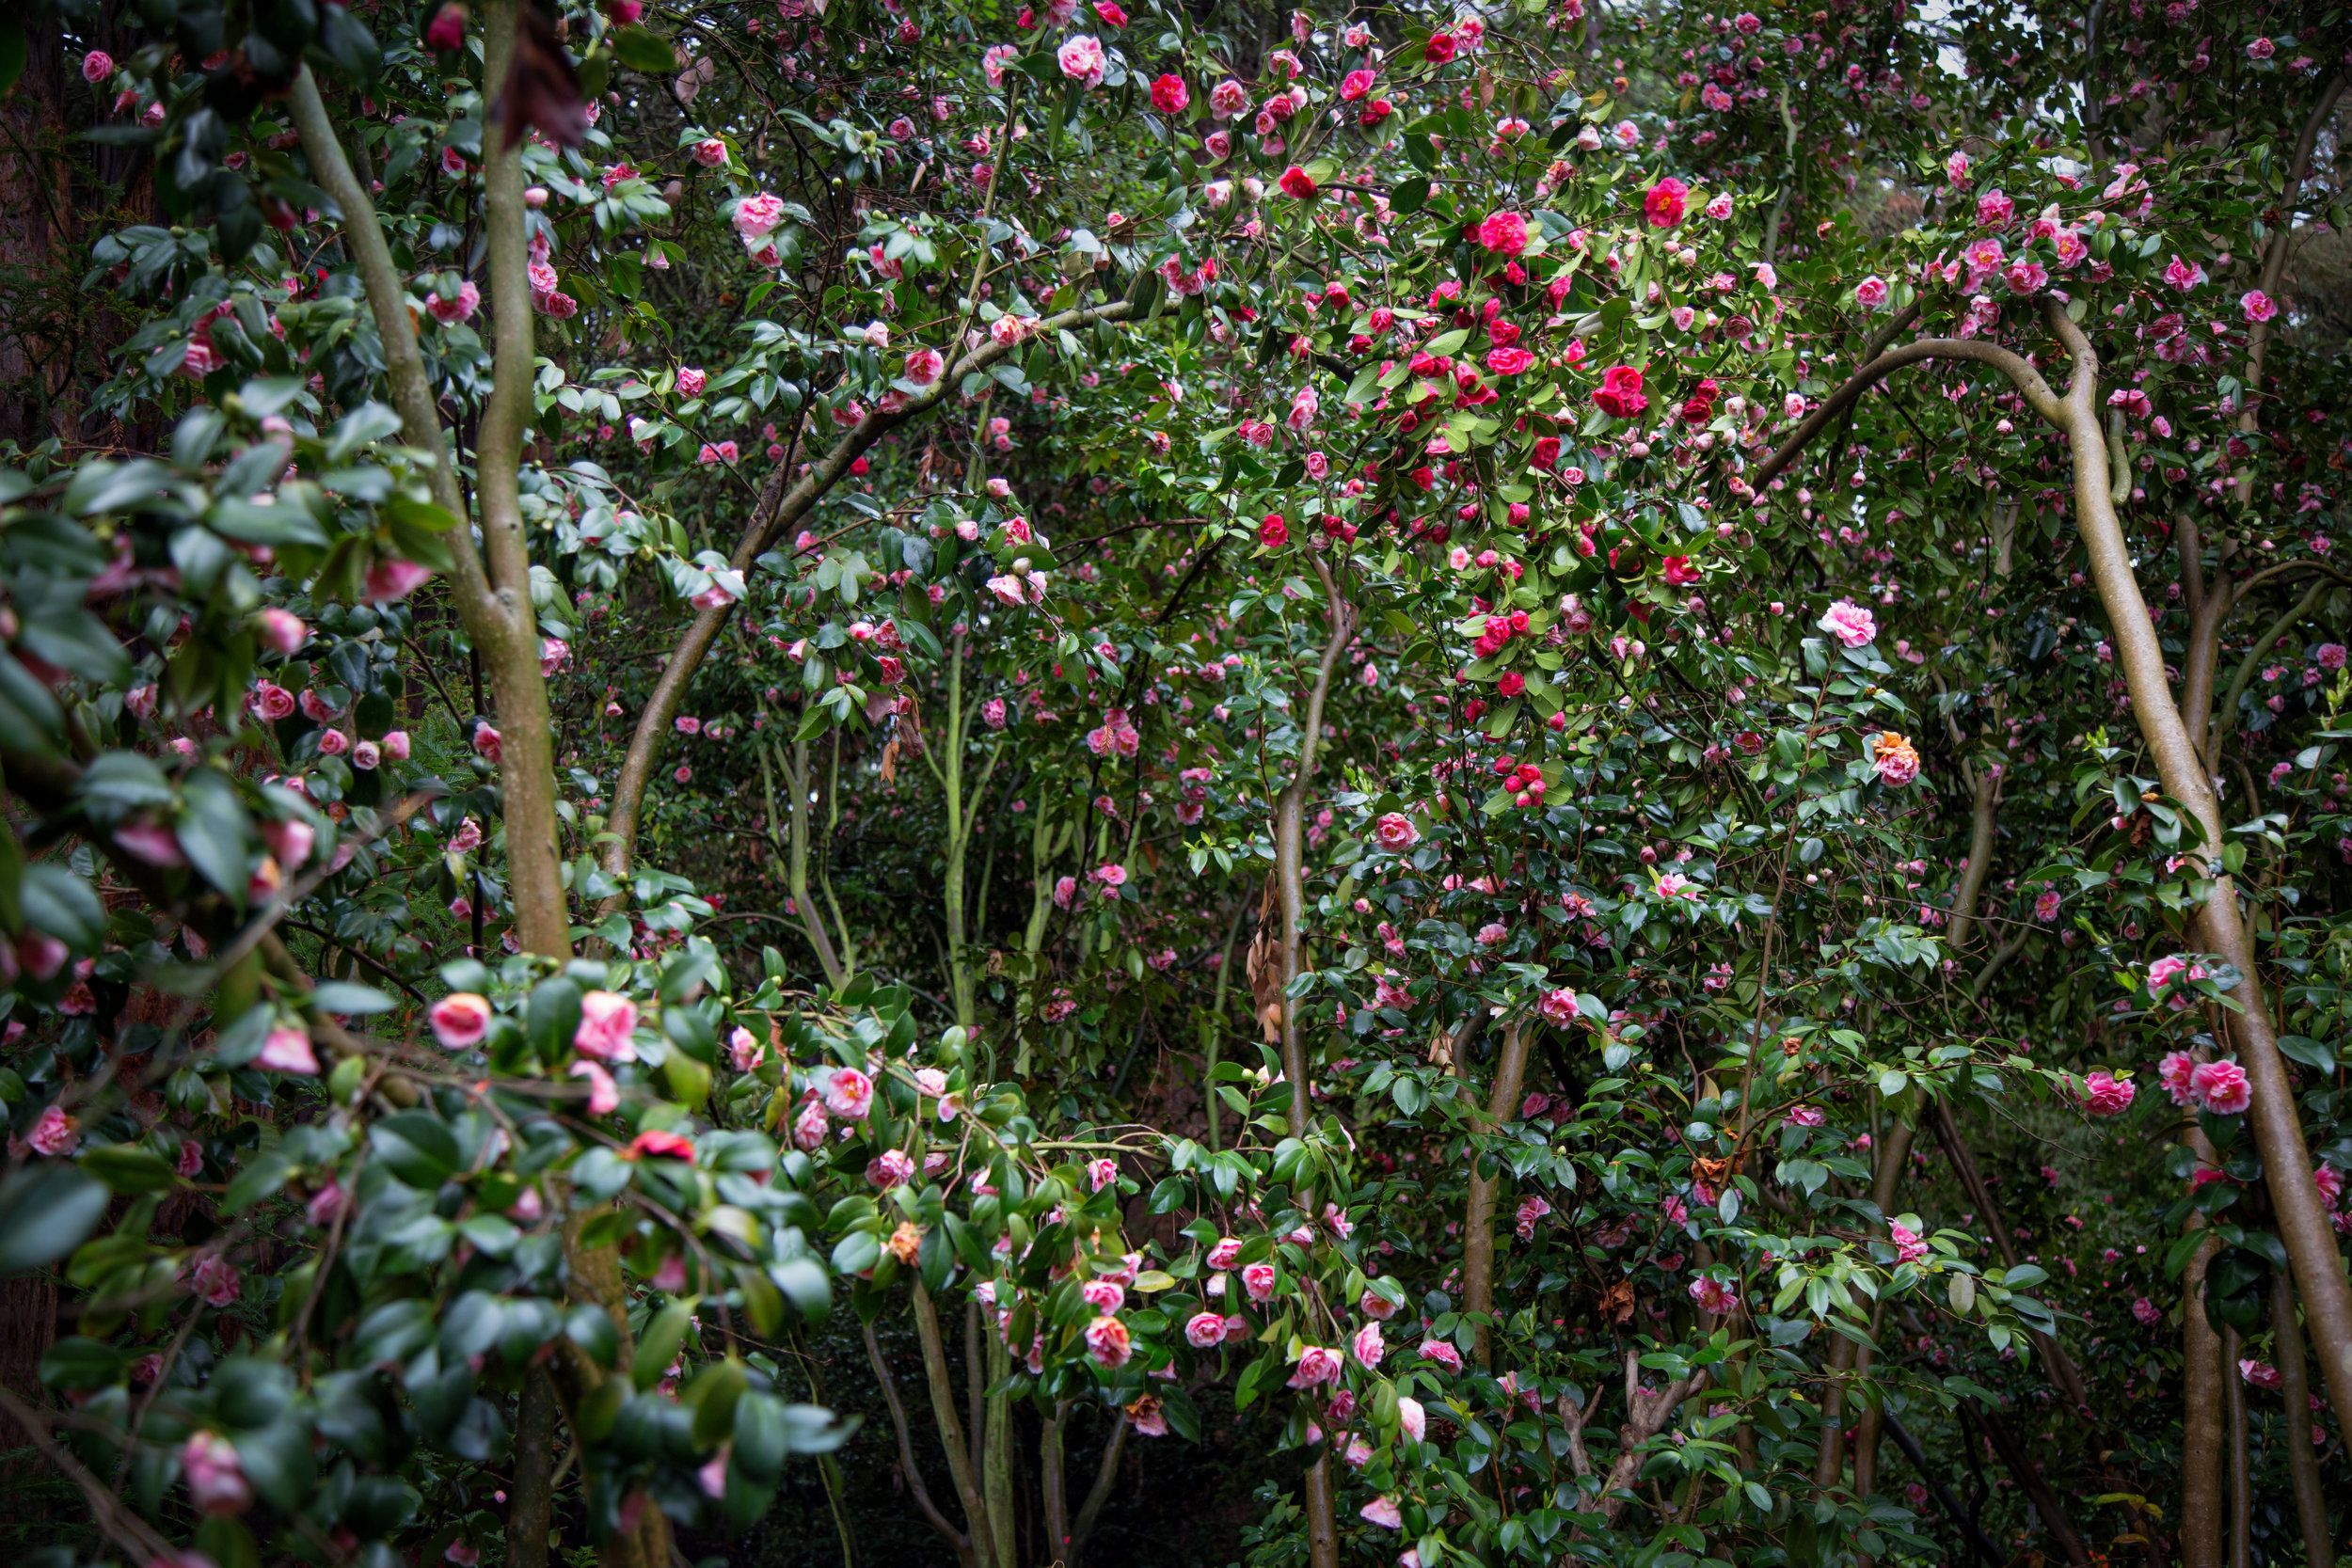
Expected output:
{"points": [[2223, 718], [678, 672], [2277, 1125], [2029, 381]]}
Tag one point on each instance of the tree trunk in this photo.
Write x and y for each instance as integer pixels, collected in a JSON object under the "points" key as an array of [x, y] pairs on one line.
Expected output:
{"points": [[2200, 1421], [2310, 1500], [1478, 1228]]}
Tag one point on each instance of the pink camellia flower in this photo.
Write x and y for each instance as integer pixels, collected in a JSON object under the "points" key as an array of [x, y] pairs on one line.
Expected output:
{"points": [[2330, 1181], [1081, 60], [271, 702], [745, 1050], [1413, 1419], [54, 1135], [2260, 49], [2106, 1095], [1712, 1294], [282, 631], [1317, 1365], [1104, 1295], [1850, 624], [1870, 292], [1258, 1280], [396, 745], [192, 1158], [97, 66], [288, 1050], [1396, 833], [1664, 202], [2167, 969], [1170, 96], [1222, 1256], [392, 581], [216, 1482], [2257, 306], [460, 1020], [756, 216], [2222, 1088], [890, 1169], [152, 842], [1896, 759], [1204, 1330], [1994, 210], [1110, 875], [1382, 1511], [606, 1019], [450, 313], [216, 1280], [1558, 1007], [691, 381], [1229, 99], [1503, 232], [1366, 1346], [1956, 168], [1101, 1174], [1355, 85], [333, 743], [2146, 1312], [604, 1095], [923, 366], [1909, 1246], [1108, 1343], [1442, 1353], [711, 152], [2183, 275], [2025, 277], [2173, 1072], [2260, 1374], [848, 1093], [1297, 183], [2328, 655], [488, 744]]}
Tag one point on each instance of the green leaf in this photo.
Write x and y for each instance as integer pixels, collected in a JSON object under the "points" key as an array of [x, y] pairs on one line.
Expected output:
{"points": [[45, 1212], [643, 50], [417, 1146], [129, 1168]]}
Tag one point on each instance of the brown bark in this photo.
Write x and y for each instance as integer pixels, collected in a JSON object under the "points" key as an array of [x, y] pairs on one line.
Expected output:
{"points": [[2241, 1473], [1478, 1227], [1647, 1415], [530, 1503], [957, 1538], [2202, 1435]]}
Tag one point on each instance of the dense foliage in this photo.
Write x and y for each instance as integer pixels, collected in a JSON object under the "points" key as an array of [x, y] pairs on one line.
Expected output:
{"points": [[1573, 777]]}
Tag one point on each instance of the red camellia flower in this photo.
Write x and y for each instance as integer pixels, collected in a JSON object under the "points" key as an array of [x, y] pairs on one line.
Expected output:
{"points": [[1170, 95], [668, 1146], [1679, 572], [1620, 393], [447, 30], [1440, 48], [1504, 233], [1295, 183], [1112, 16], [1511, 683], [1355, 85], [1665, 201], [1509, 361], [1547, 451], [1374, 112], [1274, 533]]}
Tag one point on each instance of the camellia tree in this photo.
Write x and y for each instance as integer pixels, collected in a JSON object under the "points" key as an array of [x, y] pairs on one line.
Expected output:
{"points": [[1352, 726]]}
